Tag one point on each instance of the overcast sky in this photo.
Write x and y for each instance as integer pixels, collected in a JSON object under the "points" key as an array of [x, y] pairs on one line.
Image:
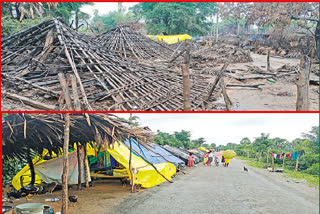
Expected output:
{"points": [[105, 7], [222, 128]]}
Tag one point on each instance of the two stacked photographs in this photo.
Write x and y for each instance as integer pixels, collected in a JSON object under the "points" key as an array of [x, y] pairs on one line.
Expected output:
{"points": [[160, 107]]}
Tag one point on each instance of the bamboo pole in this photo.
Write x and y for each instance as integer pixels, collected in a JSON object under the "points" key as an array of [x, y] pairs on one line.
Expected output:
{"points": [[79, 166], [86, 165], [303, 84], [64, 208], [284, 157], [130, 161]]}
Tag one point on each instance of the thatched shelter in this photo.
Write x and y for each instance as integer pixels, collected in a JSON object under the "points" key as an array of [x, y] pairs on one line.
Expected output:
{"points": [[36, 132], [33, 58]]}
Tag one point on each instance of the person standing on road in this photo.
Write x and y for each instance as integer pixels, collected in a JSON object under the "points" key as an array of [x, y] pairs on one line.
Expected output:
{"points": [[222, 160], [205, 158], [190, 160], [227, 162], [210, 158]]}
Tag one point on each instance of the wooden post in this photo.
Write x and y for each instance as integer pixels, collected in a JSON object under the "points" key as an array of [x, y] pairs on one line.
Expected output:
{"points": [[130, 161], [273, 163], [225, 95], [267, 158], [268, 60], [79, 166], [297, 164], [76, 100], [303, 84], [65, 90], [186, 80], [86, 164], [65, 199], [284, 157]]}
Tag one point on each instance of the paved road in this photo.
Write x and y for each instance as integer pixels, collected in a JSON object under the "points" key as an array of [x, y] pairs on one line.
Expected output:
{"points": [[224, 190]]}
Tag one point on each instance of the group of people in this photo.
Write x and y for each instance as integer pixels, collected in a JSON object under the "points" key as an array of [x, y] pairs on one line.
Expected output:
{"points": [[208, 159]]}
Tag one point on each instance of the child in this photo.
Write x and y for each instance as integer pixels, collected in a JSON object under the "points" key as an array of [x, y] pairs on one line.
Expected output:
{"points": [[227, 161], [190, 160]]}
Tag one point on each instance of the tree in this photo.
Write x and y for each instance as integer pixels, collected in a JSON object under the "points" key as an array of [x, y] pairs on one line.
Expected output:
{"points": [[245, 141], [176, 17], [198, 142]]}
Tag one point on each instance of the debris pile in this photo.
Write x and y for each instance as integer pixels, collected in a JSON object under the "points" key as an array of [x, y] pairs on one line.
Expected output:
{"points": [[222, 53], [33, 58], [128, 43]]}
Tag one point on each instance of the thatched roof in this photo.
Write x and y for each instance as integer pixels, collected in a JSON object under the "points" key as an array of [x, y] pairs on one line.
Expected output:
{"points": [[129, 43], [32, 59], [21, 132]]}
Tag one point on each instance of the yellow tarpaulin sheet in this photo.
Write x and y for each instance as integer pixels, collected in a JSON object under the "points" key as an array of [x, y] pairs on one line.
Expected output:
{"points": [[203, 149], [170, 39], [229, 154], [146, 175]]}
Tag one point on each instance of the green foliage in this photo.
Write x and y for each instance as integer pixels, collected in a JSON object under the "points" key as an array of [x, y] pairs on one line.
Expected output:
{"points": [[178, 139], [11, 26], [10, 167], [176, 17], [101, 23]]}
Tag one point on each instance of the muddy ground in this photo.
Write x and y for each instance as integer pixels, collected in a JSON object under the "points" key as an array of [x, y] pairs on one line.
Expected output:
{"points": [[225, 190], [279, 96]]}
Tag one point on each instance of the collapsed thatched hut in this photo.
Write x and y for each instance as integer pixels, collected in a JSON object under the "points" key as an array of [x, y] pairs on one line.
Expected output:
{"points": [[103, 80]]}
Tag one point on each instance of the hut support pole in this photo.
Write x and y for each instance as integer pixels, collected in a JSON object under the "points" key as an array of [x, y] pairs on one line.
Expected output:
{"points": [[303, 84], [272, 163], [130, 161], [79, 166], [284, 157], [64, 208], [86, 164]]}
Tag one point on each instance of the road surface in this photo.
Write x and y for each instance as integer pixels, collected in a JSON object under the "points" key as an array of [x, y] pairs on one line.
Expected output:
{"points": [[224, 190]]}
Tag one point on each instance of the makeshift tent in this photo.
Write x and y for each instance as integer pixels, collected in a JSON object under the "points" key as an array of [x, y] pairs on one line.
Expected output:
{"points": [[170, 39], [180, 153], [145, 175], [154, 153]]}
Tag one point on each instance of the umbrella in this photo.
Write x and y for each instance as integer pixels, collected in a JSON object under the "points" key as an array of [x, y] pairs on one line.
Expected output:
{"points": [[229, 154], [203, 149]]}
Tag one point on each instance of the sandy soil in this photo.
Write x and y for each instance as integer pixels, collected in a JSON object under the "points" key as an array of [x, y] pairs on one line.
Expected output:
{"points": [[225, 190], [104, 195]]}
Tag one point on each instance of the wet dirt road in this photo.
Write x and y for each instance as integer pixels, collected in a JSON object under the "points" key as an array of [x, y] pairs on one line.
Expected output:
{"points": [[225, 190]]}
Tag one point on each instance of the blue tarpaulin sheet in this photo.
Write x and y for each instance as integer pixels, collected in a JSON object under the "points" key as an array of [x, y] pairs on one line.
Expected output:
{"points": [[151, 155]]}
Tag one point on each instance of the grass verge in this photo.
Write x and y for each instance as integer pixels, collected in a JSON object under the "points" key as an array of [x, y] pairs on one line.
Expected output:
{"points": [[311, 179]]}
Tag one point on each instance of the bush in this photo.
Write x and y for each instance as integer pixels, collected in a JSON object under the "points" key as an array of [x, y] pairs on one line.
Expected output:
{"points": [[313, 170]]}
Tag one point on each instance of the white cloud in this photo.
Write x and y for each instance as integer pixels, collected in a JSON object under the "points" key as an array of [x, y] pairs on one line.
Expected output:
{"points": [[221, 128]]}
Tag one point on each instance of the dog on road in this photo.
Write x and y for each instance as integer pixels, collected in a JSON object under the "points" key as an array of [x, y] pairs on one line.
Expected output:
{"points": [[245, 169]]}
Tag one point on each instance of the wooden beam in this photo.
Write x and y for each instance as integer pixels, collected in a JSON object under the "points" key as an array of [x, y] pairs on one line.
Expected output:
{"points": [[65, 90], [30, 102], [79, 166], [86, 165], [76, 101], [186, 80]]}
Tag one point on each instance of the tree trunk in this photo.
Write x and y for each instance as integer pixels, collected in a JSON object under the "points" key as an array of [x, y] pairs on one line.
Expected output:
{"points": [[303, 84], [79, 166], [297, 164], [273, 163], [217, 28], [77, 19], [284, 157], [18, 14], [267, 159], [33, 174], [64, 208]]}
